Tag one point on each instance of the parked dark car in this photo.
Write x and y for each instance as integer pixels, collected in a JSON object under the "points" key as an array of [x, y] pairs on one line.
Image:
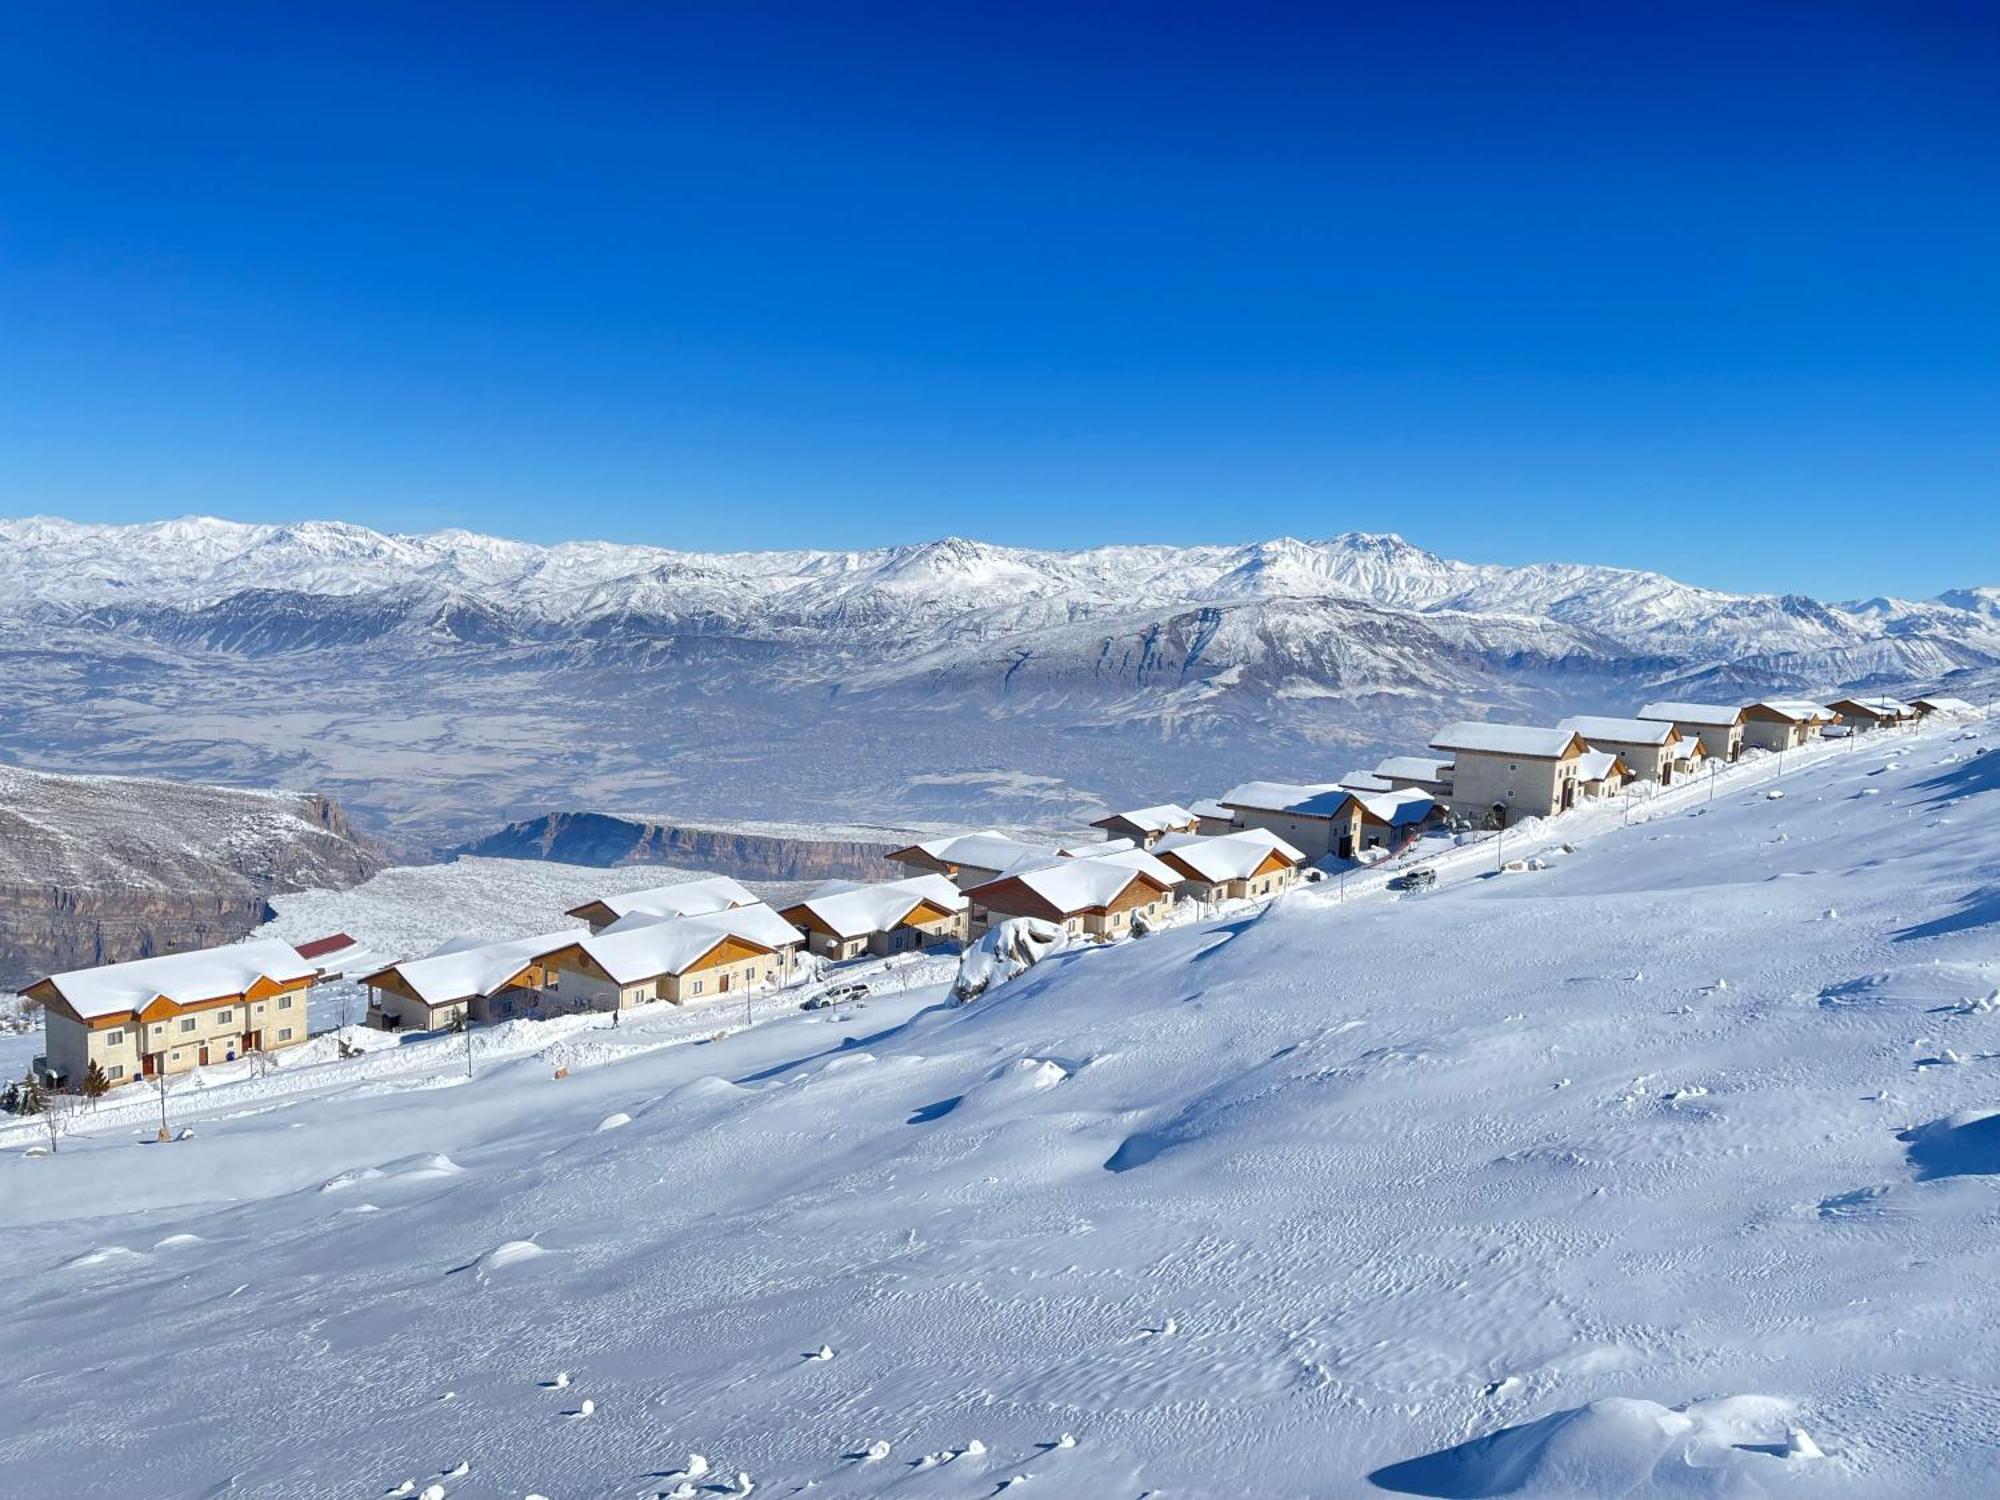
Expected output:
{"points": [[1414, 880]]}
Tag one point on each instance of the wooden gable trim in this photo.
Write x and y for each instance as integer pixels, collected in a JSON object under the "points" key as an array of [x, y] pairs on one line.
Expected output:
{"points": [[1011, 898], [1274, 863], [576, 957], [1147, 889], [594, 912], [925, 911], [729, 950], [804, 916]]}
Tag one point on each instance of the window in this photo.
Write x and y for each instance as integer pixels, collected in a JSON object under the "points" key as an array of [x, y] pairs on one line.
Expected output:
{"points": [[116, 1070], [284, 1002], [115, 1038], [284, 1033], [188, 1023], [225, 1018], [697, 986]]}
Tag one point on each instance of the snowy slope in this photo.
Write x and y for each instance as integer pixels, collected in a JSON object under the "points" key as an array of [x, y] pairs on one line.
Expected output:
{"points": [[1637, 1174]]}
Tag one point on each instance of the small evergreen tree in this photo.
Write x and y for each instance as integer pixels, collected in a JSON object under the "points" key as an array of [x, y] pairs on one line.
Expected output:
{"points": [[33, 1098], [95, 1084], [10, 1101]]}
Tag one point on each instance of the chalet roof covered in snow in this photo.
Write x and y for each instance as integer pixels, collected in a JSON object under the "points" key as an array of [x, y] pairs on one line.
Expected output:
{"points": [[688, 898], [1209, 807], [1310, 799], [1715, 715], [673, 944], [1525, 740], [462, 969], [1885, 708], [1595, 727], [1397, 809], [1080, 885], [988, 849], [1366, 781], [1415, 768], [183, 978], [1595, 765], [1946, 706], [1798, 710], [851, 909], [1162, 818], [1227, 856]]}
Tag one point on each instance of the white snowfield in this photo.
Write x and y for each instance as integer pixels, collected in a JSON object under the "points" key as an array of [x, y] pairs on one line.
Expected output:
{"points": [[1669, 1168]]}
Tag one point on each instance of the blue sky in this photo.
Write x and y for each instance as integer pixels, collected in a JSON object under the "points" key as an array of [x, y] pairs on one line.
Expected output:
{"points": [[1708, 288]]}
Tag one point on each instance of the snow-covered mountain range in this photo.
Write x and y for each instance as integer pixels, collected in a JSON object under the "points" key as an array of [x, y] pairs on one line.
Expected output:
{"points": [[436, 680]]}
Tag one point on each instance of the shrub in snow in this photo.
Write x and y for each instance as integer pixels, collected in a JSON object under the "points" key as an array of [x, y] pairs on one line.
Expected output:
{"points": [[1010, 949]]}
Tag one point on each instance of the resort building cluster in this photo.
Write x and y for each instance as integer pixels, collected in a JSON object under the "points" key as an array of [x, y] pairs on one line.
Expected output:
{"points": [[714, 939]]}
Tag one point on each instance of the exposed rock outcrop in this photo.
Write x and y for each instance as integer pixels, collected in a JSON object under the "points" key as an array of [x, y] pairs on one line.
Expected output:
{"points": [[98, 869], [749, 851]]}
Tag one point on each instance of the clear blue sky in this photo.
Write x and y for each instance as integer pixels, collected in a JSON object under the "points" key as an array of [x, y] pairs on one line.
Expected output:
{"points": [[1708, 288]]}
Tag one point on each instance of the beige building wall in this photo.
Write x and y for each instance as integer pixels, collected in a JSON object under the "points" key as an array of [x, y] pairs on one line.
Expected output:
{"points": [[1524, 786], [1776, 734], [1256, 888], [1312, 837], [748, 976], [1645, 762], [1722, 741]]}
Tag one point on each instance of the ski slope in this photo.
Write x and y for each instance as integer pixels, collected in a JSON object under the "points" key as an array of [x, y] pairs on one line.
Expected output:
{"points": [[1663, 1169]]}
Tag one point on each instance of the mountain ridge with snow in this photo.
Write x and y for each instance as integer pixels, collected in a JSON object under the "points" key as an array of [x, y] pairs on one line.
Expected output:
{"points": [[431, 680]]}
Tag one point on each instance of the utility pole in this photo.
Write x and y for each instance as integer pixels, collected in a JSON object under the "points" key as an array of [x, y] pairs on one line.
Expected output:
{"points": [[160, 1078], [1711, 780]]}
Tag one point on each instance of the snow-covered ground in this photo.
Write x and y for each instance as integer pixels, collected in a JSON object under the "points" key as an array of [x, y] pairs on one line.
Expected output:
{"points": [[1662, 1168]]}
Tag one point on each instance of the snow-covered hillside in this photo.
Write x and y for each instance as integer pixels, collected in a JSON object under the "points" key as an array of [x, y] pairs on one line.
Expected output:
{"points": [[1667, 1168], [449, 683]]}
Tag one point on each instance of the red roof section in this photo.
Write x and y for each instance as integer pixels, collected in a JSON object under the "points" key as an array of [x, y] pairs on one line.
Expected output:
{"points": [[320, 947]]}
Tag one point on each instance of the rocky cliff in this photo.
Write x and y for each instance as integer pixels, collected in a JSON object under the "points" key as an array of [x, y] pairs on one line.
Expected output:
{"points": [[97, 869], [749, 851]]}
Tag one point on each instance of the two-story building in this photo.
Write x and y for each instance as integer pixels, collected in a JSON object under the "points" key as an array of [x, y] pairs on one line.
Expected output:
{"points": [[1785, 723], [1501, 773], [1719, 726], [175, 1011], [1649, 748], [1319, 818]]}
